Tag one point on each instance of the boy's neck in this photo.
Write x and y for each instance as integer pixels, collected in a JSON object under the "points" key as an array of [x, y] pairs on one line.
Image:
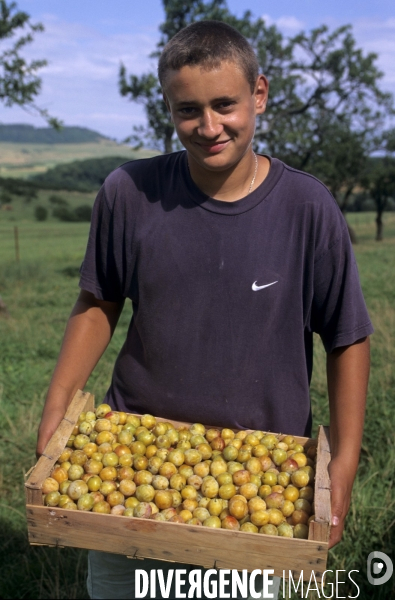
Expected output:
{"points": [[234, 183]]}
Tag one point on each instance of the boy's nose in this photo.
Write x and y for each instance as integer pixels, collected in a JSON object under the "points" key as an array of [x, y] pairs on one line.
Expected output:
{"points": [[209, 127]]}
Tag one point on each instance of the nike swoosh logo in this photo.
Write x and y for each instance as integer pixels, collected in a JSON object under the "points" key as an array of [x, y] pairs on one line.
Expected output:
{"points": [[256, 287]]}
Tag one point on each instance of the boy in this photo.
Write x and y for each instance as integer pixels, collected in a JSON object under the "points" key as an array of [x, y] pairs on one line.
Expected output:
{"points": [[232, 261]]}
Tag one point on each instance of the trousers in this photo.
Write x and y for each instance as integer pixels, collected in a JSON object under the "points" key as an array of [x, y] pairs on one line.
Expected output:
{"points": [[114, 576]]}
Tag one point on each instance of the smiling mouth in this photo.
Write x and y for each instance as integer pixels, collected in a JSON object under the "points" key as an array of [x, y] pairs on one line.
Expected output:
{"points": [[213, 147]]}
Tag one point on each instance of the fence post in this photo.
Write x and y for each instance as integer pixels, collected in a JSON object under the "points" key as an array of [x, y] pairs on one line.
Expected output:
{"points": [[16, 239]]}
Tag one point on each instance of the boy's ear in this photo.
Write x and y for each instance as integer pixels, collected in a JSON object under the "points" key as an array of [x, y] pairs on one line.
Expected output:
{"points": [[261, 94]]}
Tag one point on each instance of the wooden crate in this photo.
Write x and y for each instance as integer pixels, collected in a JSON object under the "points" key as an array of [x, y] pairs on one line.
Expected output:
{"points": [[144, 538]]}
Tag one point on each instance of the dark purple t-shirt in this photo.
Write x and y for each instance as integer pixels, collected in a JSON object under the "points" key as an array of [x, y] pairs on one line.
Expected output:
{"points": [[226, 295]]}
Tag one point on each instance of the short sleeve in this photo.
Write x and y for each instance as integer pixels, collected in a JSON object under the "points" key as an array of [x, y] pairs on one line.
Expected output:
{"points": [[339, 314], [103, 269]]}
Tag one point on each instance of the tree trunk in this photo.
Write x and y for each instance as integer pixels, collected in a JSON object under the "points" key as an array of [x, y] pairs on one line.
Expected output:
{"points": [[168, 140], [379, 226], [381, 203], [342, 203], [352, 234]]}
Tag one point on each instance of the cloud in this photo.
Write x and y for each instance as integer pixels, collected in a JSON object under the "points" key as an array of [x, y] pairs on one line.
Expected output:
{"points": [[372, 25], [378, 36], [288, 23], [73, 49]]}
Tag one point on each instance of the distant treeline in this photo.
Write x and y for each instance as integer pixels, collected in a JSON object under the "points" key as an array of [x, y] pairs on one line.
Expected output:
{"points": [[81, 175], [10, 187], [88, 176], [28, 134]]}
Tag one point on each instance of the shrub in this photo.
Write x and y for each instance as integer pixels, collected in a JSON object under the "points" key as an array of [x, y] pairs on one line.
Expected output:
{"points": [[5, 198], [64, 214], [58, 200], [83, 213], [41, 213], [80, 213]]}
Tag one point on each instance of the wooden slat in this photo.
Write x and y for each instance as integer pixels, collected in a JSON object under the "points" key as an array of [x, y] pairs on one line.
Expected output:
{"points": [[33, 496], [319, 529], [144, 538], [322, 494], [82, 401]]}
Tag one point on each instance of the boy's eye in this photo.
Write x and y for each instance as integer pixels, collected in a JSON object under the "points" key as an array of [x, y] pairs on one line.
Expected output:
{"points": [[186, 111], [225, 104]]}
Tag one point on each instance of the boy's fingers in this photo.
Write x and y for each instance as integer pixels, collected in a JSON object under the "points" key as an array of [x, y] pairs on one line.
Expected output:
{"points": [[42, 441], [46, 430], [337, 510], [337, 527], [340, 502]]}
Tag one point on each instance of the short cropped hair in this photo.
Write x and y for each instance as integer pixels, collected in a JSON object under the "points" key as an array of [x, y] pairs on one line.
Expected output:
{"points": [[208, 44]]}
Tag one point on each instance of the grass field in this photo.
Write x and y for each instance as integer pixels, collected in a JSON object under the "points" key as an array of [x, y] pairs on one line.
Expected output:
{"points": [[22, 213], [39, 292], [22, 160]]}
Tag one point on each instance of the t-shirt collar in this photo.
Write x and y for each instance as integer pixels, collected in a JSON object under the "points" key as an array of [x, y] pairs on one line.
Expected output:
{"points": [[245, 204]]}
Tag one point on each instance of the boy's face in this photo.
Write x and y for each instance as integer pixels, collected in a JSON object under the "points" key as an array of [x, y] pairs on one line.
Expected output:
{"points": [[214, 112]]}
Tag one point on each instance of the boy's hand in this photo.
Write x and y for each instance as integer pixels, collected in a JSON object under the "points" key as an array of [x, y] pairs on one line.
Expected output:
{"points": [[341, 488], [48, 426]]}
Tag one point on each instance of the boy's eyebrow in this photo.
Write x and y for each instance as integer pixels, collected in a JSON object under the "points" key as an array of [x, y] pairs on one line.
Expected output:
{"points": [[220, 99]]}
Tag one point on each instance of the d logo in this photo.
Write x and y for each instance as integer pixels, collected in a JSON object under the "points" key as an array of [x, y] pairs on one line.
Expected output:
{"points": [[378, 568]]}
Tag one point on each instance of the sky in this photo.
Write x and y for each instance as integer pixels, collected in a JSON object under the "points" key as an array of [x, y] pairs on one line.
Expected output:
{"points": [[85, 41]]}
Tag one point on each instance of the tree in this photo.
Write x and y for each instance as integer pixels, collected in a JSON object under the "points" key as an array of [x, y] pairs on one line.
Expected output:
{"points": [[379, 180], [340, 160], [326, 109], [19, 82], [321, 79], [146, 90]]}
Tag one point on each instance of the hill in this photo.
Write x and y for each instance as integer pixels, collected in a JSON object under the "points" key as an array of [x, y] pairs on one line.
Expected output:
{"points": [[79, 175], [21, 160], [20, 133]]}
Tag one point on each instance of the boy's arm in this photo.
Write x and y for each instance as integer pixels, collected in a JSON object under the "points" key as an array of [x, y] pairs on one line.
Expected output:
{"points": [[88, 332], [348, 374]]}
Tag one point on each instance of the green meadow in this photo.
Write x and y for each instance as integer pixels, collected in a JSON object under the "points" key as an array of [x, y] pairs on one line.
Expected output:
{"points": [[39, 292]]}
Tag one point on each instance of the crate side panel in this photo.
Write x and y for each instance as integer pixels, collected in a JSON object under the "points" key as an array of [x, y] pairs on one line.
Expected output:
{"points": [[174, 542]]}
